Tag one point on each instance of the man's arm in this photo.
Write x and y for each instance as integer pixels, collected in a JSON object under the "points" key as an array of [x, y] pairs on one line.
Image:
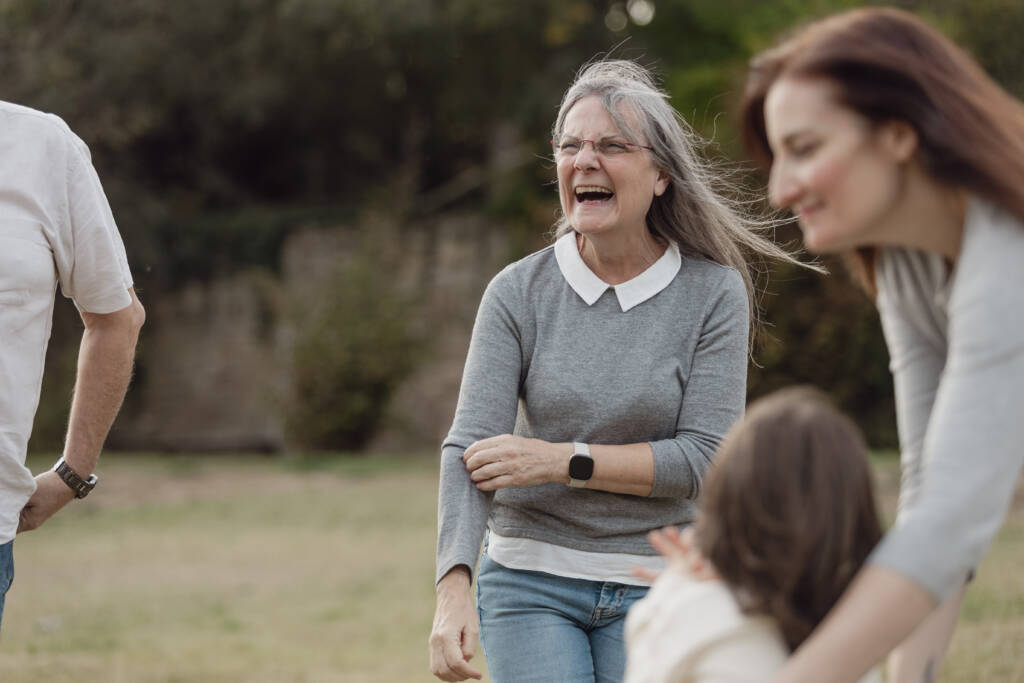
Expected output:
{"points": [[104, 370]]}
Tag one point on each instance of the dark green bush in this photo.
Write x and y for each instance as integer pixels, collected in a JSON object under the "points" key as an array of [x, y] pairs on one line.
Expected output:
{"points": [[824, 330], [51, 423], [354, 346]]}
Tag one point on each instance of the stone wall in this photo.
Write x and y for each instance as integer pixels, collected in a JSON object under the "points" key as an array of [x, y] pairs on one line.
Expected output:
{"points": [[214, 357]]}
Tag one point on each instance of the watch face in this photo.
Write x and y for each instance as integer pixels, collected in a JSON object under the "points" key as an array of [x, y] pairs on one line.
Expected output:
{"points": [[581, 467]]}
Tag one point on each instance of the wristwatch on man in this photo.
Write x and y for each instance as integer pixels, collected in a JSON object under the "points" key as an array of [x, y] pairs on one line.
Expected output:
{"points": [[80, 486], [581, 465]]}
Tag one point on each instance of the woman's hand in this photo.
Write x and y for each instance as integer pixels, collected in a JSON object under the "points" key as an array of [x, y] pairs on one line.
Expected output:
{"points": [[506, 460], [680, 549], [456, 629]]}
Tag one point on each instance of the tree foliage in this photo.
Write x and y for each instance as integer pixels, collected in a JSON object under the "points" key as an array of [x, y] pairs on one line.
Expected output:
{"points": [[220, 126]]}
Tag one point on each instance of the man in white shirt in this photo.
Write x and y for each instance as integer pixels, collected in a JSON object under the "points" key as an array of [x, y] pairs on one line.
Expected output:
{"points": [[55, 226]]}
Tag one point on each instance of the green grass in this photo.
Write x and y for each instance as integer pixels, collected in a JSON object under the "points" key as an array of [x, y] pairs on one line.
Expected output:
{"points": [[311, 569]]}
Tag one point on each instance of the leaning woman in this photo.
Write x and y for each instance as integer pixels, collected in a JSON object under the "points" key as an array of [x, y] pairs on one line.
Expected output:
{"points": [[602, 373], [889, 143]]}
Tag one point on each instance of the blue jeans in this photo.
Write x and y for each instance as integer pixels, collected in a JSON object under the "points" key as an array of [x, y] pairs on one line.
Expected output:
{"points": [[6, 572], [541, 628]]}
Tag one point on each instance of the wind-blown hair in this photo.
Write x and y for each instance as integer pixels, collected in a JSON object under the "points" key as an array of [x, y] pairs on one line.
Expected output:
{"points": [[788, 514], [888, 65], [692, 212]]}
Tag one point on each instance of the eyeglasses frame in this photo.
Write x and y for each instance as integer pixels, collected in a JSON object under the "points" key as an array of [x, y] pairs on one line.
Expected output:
{"points": [[630, 146]]}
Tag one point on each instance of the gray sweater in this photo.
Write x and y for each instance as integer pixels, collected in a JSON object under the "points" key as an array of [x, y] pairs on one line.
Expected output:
{"points": [[670, 371], [956, 347]]}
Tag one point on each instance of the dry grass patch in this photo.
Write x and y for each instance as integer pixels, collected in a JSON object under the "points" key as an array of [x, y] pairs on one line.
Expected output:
{"points": [[247, 569], [232, 570]]}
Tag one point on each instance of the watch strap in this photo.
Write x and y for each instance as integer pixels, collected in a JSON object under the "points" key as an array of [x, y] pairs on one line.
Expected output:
{"points": [[76, 483], [580, 450]]}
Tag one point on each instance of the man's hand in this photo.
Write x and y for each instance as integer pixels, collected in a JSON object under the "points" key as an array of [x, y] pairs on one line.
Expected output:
{"points": [[51, 495]]}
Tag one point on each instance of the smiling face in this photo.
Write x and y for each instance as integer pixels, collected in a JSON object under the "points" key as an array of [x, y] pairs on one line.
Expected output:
{"points": [[840, 175], [601, 193]]}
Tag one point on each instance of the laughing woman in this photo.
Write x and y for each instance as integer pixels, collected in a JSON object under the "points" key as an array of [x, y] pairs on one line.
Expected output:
{"points": [[602, 373], [888, 142]]}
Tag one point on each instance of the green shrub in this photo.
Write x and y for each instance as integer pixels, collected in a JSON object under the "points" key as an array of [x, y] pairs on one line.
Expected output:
{"points": [[354, 347], [823, 330]]}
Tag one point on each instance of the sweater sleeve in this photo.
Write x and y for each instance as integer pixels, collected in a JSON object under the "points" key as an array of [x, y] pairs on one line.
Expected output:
{"points": [[972, 443], [487, 405], [916, 341], [713, 396]]}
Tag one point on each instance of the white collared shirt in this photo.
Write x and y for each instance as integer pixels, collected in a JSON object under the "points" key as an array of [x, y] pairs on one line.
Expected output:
{"points": [[630, 293]]}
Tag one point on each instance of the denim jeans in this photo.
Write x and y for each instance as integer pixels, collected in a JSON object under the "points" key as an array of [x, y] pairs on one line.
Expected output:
{"points": [[540, 628], [6, 572]]}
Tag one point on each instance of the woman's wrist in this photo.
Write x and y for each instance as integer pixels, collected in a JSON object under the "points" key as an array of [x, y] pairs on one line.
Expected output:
{"points": [[559, 454], [458, 578]]}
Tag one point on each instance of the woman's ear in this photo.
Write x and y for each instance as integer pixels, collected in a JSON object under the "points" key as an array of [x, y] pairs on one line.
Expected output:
{"points": [[898, 139], [661, 184]]}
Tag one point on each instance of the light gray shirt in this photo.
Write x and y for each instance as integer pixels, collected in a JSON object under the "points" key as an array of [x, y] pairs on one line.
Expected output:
{"points": [[543, 362], [956, 347]]}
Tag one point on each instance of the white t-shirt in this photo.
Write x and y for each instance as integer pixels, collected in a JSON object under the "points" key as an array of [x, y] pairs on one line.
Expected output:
{"points": [[55, 226]]}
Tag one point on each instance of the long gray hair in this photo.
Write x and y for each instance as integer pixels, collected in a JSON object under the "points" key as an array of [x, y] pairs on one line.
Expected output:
{"points": [[700, 219]]}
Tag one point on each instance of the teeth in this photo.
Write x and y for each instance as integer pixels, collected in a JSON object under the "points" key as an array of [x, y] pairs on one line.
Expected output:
{"points": [[592, 192], [580, 189]]}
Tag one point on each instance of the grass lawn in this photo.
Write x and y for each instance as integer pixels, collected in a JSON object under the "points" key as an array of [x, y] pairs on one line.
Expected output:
{"points": [[231, 569]]}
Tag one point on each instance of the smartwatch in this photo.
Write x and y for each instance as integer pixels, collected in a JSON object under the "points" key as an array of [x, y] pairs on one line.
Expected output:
{"points": [[80, 486], [581, 465]]}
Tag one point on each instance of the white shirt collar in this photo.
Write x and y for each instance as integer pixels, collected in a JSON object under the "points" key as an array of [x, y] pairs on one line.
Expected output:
{"points": [[630, 293]]}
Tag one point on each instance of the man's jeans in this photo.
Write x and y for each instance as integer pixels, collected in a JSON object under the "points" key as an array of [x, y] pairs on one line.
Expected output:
{"points": [[6, 572]]}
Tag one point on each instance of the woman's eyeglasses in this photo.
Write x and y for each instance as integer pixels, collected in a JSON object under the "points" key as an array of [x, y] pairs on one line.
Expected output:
{"points": [[606, 147]]}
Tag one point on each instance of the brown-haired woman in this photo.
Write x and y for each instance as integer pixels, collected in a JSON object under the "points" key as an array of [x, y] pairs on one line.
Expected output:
{"points": [[786, 519], [889, 143]]}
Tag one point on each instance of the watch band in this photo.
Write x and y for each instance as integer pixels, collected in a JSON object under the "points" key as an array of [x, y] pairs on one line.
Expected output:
{"points": [[581, 465], [80, 486]]}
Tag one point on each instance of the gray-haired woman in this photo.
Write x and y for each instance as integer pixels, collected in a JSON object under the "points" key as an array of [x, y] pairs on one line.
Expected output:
{"points": [[586, 416]]}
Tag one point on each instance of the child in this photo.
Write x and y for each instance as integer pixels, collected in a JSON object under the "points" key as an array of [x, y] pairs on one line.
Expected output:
{"points": [[787, 518]]}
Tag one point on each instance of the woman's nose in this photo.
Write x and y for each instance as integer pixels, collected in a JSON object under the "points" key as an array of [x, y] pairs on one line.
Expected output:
{"points": [[783, 188], [586, 158]]}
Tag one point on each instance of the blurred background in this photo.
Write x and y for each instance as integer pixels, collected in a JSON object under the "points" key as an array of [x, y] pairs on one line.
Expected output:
{"points": [[314, 193]]}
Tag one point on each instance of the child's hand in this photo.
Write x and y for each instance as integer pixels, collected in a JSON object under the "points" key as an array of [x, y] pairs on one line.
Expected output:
{"points": [[679, 549]]}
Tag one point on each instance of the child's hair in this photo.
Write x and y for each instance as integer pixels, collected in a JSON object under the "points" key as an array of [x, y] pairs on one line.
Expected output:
{"points": [[788, 513]]}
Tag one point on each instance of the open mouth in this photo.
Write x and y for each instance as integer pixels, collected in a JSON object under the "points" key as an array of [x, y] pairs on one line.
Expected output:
{"points": [[592, 193]]}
